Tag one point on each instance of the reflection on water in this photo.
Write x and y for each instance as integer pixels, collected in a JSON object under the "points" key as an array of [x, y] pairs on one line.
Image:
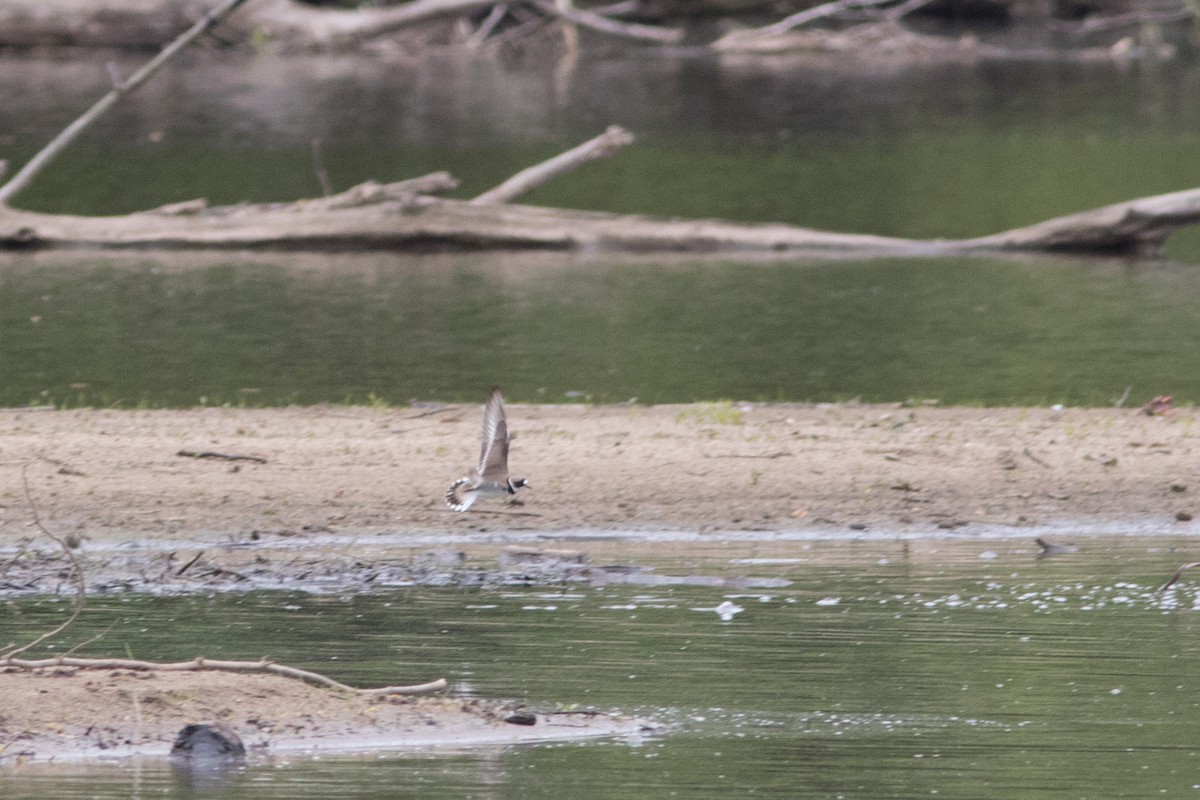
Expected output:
{"points": [[178, 331], [968, 669]]}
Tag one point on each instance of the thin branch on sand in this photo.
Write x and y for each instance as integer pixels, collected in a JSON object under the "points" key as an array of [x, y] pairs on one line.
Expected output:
{"points": [[201, 663], [220, 456], [76, 571]]}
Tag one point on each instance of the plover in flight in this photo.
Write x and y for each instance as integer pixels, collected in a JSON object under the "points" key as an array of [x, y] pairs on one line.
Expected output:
{"points": [[491, 476]]}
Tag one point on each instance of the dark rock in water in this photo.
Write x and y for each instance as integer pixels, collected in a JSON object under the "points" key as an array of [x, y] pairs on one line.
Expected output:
{"points": [[521, 719], [1051, 549], [211, 742]]}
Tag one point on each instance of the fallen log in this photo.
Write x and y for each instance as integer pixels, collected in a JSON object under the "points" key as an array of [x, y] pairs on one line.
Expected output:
{"points": [[289, 24], [421, 223]]}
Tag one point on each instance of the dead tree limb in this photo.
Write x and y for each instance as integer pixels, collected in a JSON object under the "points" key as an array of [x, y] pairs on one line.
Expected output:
{"points": [[602, 146], [60, 142], [1178, 574], [200, 663], [373, 192], [1095, 24], [588, 19], [787, 24], [220, 456], [77, 574], [906, 8], [333, 26], [494, 17], [403, 192], [1138, 227]]}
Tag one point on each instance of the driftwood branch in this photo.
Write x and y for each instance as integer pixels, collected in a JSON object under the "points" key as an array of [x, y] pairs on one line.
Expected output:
{"points": [[374, 192], [1137, 227], [292, 24], [1093, 24], [77, 574], [333, 26], [588, 19], [1178, 574], [737, 39], [68, 135], [494, 17], [404, 193], [602, 146], [1134, 227], [220, 456], [198, 664]]}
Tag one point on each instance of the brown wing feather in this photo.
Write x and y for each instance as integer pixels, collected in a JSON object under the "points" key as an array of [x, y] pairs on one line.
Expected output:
{"points": [[493, 458]]}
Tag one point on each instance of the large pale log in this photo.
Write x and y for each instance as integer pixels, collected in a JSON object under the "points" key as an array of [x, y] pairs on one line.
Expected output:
{"points": [[428, 223], [1137, 227]]}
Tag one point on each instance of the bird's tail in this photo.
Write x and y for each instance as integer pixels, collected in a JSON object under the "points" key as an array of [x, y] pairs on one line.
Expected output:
{"points": [[459, 501]]}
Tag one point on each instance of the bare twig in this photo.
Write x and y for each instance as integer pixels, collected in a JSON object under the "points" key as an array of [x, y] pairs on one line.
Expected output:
{"points": [[189, 564], [618, 9], [1104, 23], [63, 139], [222, 456], [355, 25], [1034, 458], [371, 192], [494, 17], [528, 179], [588, 19], [794, 21], [1178, 573], [906, 8], [93, 639], [76, 570], [200, 663]]}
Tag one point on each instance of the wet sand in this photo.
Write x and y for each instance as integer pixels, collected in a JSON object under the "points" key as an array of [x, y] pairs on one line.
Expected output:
{"points": [[118, 476]]}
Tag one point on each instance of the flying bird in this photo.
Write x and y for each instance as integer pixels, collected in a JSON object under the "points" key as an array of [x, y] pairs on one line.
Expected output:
{"points": [[491, 476]]}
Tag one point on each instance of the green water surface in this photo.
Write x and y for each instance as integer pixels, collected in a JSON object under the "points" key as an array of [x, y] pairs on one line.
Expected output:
{"points": [[980, 671], [140, 331]]}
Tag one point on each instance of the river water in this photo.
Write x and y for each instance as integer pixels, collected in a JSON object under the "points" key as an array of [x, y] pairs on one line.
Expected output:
{"points": [[922, 151], [959, 667], [980, 671]]}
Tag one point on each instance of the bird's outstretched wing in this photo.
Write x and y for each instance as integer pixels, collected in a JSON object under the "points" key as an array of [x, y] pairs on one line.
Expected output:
{"points": [[493, 458]]}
